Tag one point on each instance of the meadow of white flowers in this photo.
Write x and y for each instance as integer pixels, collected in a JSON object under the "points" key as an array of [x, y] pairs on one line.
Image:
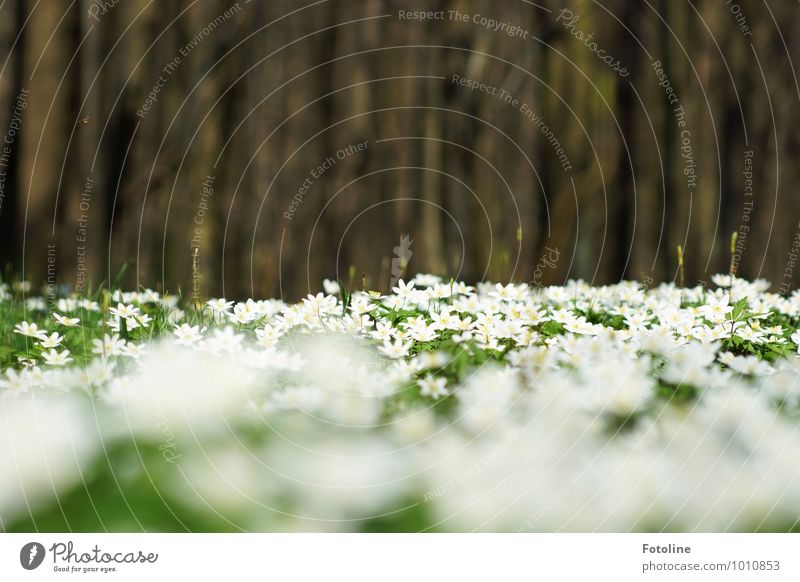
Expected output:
{"points": [[440, 407]]}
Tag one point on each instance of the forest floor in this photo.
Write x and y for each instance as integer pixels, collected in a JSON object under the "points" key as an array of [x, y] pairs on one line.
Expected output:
{"points": [[440, 406]]}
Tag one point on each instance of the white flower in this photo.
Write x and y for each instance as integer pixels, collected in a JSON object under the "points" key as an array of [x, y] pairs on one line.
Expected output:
{"points": [[717, 308], [110, 345], [66, 321], [396, 349], [219, 305], [187, 334], [124, 311], [133, 350], [637, 319], [444, 320], [15, 381], [433, 387], [403, 290], [36, 304], [246, 312], [746, 365], [97, 372], [29, 330], [430, 360], [579, 325], [56, 358], [175, 315], [225, 339], [426, 280], [268, 336], [51, 341], [796, 339], [290, 318], [88, 305], [504, 292], [622, 390], [383, 331], [749, 334], [721, 280], [331, 287], [423, 334], [320, 303], [487, 397], [135, 321], [439, 291], [360, 303], [461, 288], [26, 361], [67, 304]]}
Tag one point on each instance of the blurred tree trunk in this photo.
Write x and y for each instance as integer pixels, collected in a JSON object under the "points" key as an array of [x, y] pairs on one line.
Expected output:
{"points": [[50, 78], [12, 33]]}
